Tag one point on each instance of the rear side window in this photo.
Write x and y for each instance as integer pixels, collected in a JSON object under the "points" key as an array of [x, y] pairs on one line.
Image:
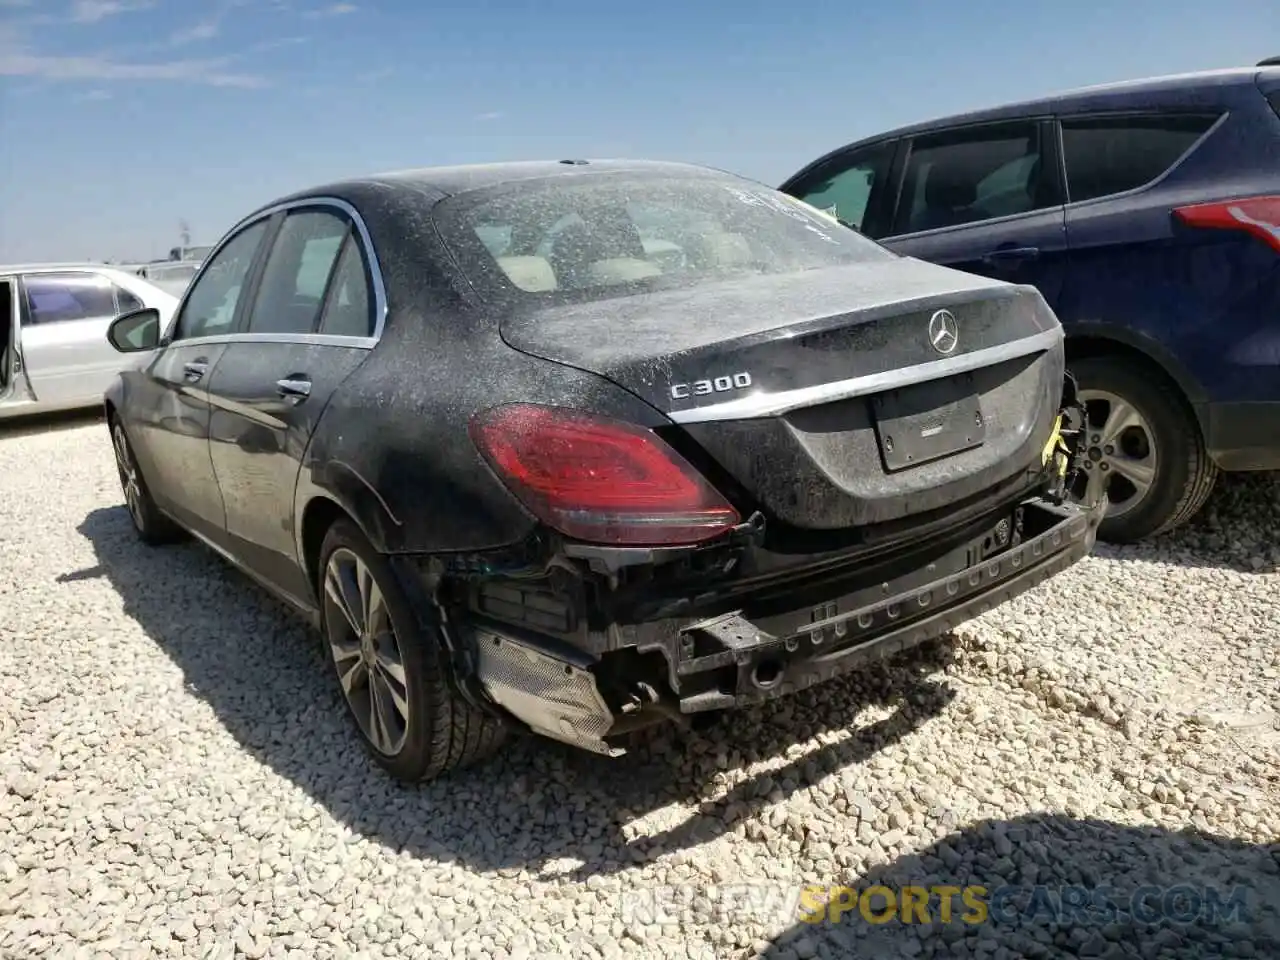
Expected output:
{"points": [[1109, 155], [60, 297], [973, 174], [297, 272], [126, 301], [347, 311]]}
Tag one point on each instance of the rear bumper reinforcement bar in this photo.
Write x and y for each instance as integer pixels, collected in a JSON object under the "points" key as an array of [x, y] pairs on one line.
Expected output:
{"points": [[779, 655]]}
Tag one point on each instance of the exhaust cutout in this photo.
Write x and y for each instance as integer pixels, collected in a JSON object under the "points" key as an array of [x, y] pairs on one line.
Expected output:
{"points": [[766, 674]]}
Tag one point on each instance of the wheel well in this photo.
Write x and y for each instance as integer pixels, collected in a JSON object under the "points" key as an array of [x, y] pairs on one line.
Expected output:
{"points": [[1080, 348], [320, 514]]}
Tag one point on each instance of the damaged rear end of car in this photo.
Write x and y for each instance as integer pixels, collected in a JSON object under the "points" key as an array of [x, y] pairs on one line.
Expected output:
{"points": [[848, 458]]}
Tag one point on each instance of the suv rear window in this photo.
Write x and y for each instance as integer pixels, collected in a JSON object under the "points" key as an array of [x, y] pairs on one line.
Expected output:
{"points": [[596, 237], [1109, 155]]}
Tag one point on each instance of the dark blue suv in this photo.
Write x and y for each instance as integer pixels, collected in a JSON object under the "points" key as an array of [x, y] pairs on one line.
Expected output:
{"points": [[1148, 215]]}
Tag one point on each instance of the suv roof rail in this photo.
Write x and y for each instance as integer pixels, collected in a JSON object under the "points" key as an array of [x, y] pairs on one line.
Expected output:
{"points": [[1270, 62]]}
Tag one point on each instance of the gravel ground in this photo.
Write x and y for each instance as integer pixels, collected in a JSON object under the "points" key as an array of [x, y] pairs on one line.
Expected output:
{"points": [[177, 779]]}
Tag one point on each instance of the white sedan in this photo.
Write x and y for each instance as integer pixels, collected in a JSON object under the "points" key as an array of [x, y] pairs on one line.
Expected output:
{"points": [[54, 353]]}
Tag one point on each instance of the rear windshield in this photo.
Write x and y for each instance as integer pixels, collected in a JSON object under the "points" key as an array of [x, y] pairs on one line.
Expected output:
{"points": [[184, 272], [606, 236]]}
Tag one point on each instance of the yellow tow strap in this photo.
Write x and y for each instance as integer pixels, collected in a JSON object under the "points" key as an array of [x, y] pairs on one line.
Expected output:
{"points": [[1056, 447]]}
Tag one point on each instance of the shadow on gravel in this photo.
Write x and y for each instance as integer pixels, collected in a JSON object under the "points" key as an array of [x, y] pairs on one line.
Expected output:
{"points": [[538, 806], [1238, 529], [48, 423], [1056, 887]]}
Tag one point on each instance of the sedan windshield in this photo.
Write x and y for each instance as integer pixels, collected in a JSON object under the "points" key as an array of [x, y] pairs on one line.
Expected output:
{"points": [[610, 235]]}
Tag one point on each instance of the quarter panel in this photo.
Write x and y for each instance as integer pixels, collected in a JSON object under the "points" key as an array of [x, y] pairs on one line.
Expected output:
{"points": [[393, 447], [1209, 298]]}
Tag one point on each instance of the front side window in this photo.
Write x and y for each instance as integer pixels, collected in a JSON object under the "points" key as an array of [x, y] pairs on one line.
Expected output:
{"points": [[966, 176], [1108, 155], [845, 192], [297, 272], [210, 307], [60, 297], [601, 236]]}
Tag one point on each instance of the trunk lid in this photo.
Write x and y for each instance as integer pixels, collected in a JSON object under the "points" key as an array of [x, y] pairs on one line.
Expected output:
{"points": [[832, 398]]}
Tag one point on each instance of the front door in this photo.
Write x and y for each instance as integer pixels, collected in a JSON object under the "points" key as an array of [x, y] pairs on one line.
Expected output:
{"points": [[851, 185], [171, 407], [310, 326], [985, 199], [8, 337]]}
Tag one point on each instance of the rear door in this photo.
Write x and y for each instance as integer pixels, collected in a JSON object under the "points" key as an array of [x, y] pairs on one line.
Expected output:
{"points": [[168, 404], [64, 346], [310, 326], [986, 199]]}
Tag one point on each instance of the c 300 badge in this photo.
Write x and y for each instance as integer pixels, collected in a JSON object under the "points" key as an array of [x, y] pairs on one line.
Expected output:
{"points": [[702, 388]]}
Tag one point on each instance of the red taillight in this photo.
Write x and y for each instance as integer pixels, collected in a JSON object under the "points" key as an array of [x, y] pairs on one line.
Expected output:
{"points": [[1259, 216], [598, 479]]}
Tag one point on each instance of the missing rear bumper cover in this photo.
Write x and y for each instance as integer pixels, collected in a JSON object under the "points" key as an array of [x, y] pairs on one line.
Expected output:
{"points": [[757, 659]]}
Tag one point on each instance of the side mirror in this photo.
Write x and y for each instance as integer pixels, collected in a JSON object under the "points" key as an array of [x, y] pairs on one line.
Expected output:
{"points": [[135, 331]]}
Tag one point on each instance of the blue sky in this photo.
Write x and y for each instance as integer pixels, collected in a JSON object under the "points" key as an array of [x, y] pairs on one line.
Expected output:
{"points": [[119, 118]]}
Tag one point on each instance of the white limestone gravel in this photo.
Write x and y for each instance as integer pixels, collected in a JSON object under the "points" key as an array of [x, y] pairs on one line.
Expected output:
{"points": [[177, 778]]}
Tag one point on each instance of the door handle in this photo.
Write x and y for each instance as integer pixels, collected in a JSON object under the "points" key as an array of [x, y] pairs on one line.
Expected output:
{"points": [[196, 369], [294, 389], [1010, 254]]}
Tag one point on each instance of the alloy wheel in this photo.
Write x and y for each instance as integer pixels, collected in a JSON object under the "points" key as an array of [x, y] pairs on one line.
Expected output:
{"points": [[128, 470], [1121, 458], [366, 651]]}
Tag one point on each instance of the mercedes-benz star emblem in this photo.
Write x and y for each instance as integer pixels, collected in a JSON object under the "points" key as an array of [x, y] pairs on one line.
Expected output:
{"points": [[944, 332]]}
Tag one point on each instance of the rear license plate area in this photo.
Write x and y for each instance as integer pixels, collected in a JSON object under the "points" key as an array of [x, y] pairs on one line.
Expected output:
{"points": [[928, 421]]}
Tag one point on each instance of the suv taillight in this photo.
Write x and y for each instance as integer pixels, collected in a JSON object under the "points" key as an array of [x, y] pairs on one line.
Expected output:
{"points": [[1259, 216], [598, 479]]}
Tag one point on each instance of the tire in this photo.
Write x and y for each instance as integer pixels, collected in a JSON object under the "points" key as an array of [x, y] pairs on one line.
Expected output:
{"points": [[1181, 473], [150, 524], [442, 732]]}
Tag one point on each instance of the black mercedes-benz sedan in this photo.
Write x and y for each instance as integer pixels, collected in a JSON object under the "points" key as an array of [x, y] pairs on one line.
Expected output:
{"points": [[570, 447]]}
